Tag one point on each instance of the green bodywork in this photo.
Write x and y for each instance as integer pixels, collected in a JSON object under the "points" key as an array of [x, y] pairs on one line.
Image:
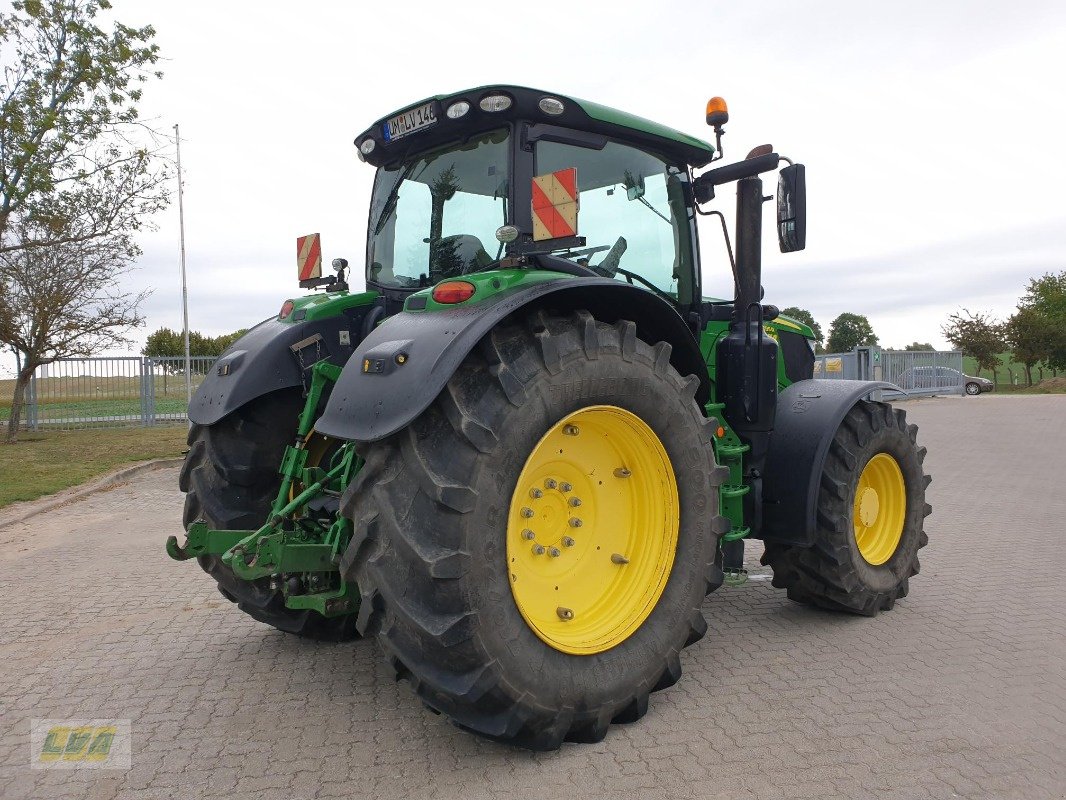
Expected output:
{"points": [[328, 304]]}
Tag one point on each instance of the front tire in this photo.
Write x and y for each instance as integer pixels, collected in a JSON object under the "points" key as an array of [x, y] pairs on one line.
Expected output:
{"points": [[230, 477], [973, 389], [871, 510], [434, 511]]}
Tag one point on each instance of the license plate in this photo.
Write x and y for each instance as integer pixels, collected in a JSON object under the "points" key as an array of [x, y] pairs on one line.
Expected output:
{"points": [[410, 121]]}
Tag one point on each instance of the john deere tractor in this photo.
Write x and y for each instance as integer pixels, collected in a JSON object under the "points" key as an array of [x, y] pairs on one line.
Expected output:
{"points": [[526, 453]]}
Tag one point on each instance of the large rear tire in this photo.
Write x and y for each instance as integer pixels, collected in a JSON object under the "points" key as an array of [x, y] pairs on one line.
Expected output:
{"points": [[230, 477], [871, 510], [440, 511]]}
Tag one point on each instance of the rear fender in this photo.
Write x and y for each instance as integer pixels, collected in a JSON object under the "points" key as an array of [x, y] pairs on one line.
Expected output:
{"points": [[808, 416], [402, 366], [263, 361]]}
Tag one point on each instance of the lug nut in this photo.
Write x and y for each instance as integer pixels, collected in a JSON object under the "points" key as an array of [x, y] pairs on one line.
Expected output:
{"points": [[565, 487], [564, 613], [570, 430], [619, 559], [568, 542], [538, 549], [550, 483], [536, 493], [575, 522], [622, 472], [575, 501], [554, 552], [528, 534], [527, 512]]}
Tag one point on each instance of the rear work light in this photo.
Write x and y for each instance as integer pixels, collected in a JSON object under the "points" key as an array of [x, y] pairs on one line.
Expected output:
{"points": [[453, 292]]}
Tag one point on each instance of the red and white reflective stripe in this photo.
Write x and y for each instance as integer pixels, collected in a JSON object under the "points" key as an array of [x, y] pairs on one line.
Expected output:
{"points": [[308, 257], [555, 205]]}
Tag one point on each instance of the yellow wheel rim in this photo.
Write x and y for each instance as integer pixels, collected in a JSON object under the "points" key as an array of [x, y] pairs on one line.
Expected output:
{"points": [[592, 530], [880, 509]]}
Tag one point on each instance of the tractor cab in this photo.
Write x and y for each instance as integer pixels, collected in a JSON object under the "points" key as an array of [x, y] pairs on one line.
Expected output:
{"points": [[515, 177]]}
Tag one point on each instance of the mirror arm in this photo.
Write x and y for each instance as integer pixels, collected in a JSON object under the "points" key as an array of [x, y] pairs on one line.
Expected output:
{"points": [[725, 235]]}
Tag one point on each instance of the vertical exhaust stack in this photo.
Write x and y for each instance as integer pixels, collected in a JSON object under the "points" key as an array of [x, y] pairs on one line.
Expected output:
{"points": [[746, 355]]}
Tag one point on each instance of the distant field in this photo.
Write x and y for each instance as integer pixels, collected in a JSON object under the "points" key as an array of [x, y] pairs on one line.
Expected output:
{"points": [[44, 463], [92, 397]]}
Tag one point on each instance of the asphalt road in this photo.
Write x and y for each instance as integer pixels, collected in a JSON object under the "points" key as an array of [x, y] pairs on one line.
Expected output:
{"points": [[960, 691]]}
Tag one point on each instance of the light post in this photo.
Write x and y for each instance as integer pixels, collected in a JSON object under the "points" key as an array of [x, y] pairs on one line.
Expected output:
{"points": [[184, 283]]}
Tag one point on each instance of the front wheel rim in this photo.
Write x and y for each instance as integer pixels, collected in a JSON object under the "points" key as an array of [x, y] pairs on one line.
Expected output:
{"points": [[880, 509], [592, 530]]}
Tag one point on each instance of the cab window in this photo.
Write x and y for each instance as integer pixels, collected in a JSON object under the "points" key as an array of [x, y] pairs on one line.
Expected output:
{"points": [[632, 214]]}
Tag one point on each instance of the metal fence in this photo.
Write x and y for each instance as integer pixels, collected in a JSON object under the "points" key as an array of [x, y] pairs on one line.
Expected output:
{"points": [[916, 373], [106, 392]]}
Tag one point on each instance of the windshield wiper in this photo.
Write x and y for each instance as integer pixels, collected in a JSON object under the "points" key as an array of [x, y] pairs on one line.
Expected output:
{"points": [[656, 211]]}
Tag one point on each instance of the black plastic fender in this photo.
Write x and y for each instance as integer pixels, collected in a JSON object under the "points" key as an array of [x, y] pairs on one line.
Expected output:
{"points": [[401, 367], [808, 415], [262, 361]]}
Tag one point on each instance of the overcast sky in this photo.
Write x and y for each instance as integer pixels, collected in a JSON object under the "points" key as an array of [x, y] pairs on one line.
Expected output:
{"points": [[930, 130]]}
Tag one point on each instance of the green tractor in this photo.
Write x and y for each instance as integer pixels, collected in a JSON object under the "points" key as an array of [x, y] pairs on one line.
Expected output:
{"points": [[527, 452]]}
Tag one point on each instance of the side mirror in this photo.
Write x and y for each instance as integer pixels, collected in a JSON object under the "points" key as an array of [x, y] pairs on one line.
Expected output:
{"points": [[792, 208]]}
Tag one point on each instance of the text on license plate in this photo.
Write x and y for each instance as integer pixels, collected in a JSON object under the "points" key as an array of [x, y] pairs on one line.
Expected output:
{"points": [[409, 121]]}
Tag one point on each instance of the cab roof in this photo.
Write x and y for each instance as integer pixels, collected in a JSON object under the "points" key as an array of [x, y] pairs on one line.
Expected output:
{"points": [[577, 114]]}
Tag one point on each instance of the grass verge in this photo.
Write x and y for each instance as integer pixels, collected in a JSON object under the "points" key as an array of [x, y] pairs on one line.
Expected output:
{"points": [[45, 463]]}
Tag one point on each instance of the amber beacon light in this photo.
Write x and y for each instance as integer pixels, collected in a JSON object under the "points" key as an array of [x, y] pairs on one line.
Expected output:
{"points": [[717, 112]]}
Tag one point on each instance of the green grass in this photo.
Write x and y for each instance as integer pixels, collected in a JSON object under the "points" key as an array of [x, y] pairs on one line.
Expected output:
{"points": [[44, 463]]}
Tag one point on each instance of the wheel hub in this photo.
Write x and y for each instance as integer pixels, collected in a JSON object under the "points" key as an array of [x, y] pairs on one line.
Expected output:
{"points": [[880, 509], [592, 530]]}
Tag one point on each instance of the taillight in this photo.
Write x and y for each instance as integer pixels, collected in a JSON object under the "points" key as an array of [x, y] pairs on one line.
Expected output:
{"points": [[286, 309], [453, 292]]}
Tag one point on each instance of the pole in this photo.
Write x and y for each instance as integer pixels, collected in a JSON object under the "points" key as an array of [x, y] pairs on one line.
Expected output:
{"points": [[184, 282]]}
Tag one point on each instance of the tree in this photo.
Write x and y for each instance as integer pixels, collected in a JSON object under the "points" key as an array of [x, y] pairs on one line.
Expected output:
{"points": [[805, 316], [61, 301], [849, 331], [164, 343], [1030, 334], [1044, 305], [71, 167], [916, 347], [978, 335]]}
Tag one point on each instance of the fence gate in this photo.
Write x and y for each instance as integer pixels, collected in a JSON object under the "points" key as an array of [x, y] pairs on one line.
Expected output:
{"points": [[109, 392], [915, 372]]}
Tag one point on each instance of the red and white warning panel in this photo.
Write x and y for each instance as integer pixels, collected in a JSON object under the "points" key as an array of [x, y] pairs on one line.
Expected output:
{"points": [[555, 205], [308, 257]]}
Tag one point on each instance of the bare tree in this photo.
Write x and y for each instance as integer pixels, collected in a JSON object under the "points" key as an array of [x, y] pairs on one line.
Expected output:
{"points": [[75, 161], [62, 301]]}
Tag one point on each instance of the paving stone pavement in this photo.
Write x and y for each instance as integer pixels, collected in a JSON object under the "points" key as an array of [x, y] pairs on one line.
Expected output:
{"points": [[960, 691]]}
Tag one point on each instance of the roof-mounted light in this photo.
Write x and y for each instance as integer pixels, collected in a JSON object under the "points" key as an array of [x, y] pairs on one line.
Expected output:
{"points": [[458, 109], [551, 105], [367, 146], [495, 102]]}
